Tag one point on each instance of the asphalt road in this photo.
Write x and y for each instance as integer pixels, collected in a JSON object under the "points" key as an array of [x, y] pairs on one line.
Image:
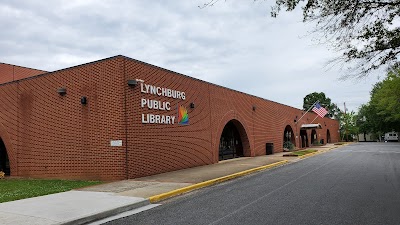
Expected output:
{"points": [[356, 184]]}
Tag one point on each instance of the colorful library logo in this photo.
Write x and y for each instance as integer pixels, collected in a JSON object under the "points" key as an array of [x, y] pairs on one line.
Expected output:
{"points": [[183, 117]]}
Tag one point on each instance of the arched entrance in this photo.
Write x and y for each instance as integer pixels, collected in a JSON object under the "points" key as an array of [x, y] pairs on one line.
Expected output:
{"points": [[313, 136], [4, 162], [304, 139], [289, 138], [230, 144], [328, 136]]}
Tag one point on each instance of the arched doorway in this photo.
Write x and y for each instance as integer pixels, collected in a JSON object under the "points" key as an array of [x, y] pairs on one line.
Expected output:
{"points": [[231, 143], [313, 136], [289, 138], [304, 139], [4, 162], [328, 136]]}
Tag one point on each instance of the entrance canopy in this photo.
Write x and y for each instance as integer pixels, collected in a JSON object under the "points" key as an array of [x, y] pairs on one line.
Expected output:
{"points": [[311, 126]]}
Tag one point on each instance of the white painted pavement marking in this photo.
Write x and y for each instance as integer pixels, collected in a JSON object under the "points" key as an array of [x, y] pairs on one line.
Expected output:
{"points": [[124, 214], [367, 151]]}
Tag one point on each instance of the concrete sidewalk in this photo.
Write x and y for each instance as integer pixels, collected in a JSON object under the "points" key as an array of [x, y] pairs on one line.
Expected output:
{"points": [[93, 203], [71, 207]]}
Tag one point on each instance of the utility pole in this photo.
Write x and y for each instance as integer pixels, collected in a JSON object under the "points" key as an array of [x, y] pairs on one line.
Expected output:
{"points": [[344, 122]]}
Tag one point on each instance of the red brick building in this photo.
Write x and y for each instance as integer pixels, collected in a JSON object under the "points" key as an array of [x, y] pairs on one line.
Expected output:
{"points": [[120, 118]]}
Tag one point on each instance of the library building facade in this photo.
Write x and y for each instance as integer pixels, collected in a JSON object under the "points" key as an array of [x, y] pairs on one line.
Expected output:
{"points": [[120, 118]]}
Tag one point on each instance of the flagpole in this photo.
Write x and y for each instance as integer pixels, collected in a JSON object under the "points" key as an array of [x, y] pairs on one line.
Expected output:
{"points": [[314, 119], [306, 111]]}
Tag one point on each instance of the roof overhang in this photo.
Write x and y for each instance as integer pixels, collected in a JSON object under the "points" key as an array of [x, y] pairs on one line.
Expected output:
{"points": [[311, 126]]}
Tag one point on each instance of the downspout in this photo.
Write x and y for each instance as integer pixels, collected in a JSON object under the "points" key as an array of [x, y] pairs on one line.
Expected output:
{"points": [[211, 136], [126, 122]]}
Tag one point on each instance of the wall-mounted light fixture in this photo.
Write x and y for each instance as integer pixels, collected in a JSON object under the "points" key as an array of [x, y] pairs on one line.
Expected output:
{"points": [[132, 83], [254, 108], [62, 91], [192, 105], [84, 100], [295, 119]]}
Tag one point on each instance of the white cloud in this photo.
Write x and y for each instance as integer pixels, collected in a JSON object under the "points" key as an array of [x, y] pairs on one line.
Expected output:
{"points": [[234, 44]]}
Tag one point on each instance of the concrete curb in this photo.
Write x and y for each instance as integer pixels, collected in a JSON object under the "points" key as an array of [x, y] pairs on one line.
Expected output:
{"points": [[320, 152], [157, 198], [310, 154], [112, 212], [163, 196]]}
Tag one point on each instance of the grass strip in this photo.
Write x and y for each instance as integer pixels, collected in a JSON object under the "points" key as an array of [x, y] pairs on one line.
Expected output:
{"points": [[300, 153], [340, 143], [15, 189], [304, 152]]}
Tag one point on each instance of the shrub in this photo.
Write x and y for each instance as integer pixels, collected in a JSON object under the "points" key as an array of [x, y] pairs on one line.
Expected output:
{"points": [[288, 145]]}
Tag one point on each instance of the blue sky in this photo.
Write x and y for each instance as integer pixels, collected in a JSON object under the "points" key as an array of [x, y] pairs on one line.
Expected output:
{"points": [[233, 44]]}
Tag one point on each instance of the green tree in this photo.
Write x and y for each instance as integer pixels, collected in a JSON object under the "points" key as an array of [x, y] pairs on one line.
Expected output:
{"points": [[368, 121], [334, 111], [382, 113], [386, 97], [364, 125], [348, 126], [366, 32], [310, 99], [383, 109]]}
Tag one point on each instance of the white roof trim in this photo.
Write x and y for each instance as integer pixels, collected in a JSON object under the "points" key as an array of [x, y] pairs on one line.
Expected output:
{"points": [[311, 126]]}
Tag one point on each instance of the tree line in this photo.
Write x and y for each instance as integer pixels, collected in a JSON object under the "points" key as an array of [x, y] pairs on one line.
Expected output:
{"points": [[381, 114]]}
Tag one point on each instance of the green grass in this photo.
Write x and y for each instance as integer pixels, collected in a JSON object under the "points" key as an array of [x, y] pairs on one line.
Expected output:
{"points": [[14, 189], [303, 152]]}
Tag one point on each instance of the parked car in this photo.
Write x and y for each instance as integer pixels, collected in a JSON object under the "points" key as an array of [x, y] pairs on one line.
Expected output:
{"points": [[391, 136]]}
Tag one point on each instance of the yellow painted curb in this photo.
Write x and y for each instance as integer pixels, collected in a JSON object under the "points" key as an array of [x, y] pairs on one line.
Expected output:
{"points": [[310, 154], [157, 198], [318, 152]]}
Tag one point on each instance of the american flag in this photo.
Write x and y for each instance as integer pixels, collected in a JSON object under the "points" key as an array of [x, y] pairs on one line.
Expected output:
{"points": [[321, 111]]}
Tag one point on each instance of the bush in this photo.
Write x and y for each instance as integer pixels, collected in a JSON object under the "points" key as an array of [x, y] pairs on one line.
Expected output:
{"points": [[288, 145]]}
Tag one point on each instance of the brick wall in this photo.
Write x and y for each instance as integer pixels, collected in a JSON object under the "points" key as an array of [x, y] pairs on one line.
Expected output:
{"points": [[56, 136], [10, 73], [156, 148], [53, 136]]}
